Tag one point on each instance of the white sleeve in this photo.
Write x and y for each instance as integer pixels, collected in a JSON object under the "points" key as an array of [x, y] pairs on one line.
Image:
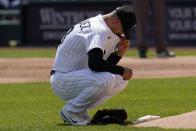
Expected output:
{"points": [[95, 39]]}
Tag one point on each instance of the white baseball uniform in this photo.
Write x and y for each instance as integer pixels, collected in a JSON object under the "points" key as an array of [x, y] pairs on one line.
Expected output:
{"points": [[73, 81]]}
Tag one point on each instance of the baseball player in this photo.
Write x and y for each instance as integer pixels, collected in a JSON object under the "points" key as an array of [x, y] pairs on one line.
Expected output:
{"points": [[85, 73]]}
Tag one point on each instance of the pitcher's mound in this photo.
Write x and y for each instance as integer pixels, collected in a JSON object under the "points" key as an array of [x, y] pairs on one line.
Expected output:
{"points": [[186, 120]]}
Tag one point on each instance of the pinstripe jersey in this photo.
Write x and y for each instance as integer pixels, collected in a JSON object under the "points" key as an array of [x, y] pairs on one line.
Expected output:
{"points": [[92, 33]]}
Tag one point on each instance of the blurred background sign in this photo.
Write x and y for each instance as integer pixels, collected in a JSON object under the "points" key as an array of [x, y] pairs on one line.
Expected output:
{"points": [[44, 22], [181, 22]]}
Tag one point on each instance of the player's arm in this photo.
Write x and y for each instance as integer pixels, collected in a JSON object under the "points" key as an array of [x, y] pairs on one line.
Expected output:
{"points": [[113, 58], [96, 63], [122, 46]]}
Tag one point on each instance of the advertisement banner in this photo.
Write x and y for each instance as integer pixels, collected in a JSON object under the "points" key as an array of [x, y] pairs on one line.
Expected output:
{"points": [[46, 24], [181, 23]]}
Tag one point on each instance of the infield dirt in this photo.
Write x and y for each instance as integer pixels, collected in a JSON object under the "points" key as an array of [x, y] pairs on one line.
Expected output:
{"points": [[37, 69]]}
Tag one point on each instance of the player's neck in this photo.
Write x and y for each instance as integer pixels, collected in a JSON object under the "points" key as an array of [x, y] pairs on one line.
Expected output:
{"points": [[105, 17], [108, 21]]}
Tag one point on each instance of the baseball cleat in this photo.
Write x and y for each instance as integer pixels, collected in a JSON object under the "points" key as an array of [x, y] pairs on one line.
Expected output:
{"points": [[165, 54], [86, 116], [73, 118], [142, 54]]}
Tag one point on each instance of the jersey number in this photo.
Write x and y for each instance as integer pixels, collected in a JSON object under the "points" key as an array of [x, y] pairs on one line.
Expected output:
{"points": [[85, 24]]}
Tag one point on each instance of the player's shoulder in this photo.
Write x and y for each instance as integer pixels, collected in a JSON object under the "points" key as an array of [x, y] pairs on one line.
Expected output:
{"points": [[94, 26], [100, 30], [98, 24]]}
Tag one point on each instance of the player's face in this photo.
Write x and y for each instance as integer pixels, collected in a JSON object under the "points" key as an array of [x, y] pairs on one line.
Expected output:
{"points": [[117, 28], [120, 31]]}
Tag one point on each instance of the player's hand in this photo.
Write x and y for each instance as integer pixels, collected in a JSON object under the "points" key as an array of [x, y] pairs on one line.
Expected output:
{"points": [[127, 74], [123, 46]]}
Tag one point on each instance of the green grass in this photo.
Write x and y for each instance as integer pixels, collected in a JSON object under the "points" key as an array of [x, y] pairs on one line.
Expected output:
{"points": [[50, 52], [33, 106], [26, 53]]}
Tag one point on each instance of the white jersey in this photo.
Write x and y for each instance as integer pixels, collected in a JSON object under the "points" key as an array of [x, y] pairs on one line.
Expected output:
{"points": [[92, 33]]}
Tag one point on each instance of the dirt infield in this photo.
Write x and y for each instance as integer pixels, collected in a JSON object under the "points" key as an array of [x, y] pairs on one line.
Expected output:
{"points": [[25, 70], [160, 68], [37, 69]]}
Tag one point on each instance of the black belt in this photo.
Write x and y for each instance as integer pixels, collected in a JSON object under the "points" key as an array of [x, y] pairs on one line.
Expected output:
{"points": [[52, 72]]}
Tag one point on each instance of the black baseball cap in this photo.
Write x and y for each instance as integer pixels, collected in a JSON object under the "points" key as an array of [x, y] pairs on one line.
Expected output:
{"points": [[127, 18]]}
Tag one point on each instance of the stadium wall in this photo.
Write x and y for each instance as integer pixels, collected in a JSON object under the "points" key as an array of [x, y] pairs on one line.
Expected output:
{"points": [[45, 23]]}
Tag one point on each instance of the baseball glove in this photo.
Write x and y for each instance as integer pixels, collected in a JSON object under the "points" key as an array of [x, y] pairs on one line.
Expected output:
{"points": [[108, 116]]}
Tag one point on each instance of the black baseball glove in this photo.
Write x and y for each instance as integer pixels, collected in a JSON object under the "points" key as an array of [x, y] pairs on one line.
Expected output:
{"points": [[108, 116]]}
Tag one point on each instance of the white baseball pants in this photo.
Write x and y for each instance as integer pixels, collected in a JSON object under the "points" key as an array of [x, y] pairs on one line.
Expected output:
{"points": [[85, 89]]}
